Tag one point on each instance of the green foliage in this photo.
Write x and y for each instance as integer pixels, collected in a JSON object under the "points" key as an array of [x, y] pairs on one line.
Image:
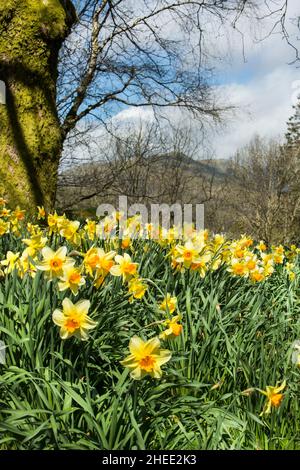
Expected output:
{"points": [[69, 394]]}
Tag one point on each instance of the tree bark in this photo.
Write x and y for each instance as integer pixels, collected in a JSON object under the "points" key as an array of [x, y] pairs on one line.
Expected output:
{"points": [[31, 34]]}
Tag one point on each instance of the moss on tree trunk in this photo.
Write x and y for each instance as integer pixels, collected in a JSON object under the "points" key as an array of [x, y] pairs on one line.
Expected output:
{"points": [[31, 34]]}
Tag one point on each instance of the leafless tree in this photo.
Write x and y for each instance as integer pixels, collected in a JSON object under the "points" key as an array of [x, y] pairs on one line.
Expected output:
{"points": [[265, 196], [147, 53], [147, 165]]}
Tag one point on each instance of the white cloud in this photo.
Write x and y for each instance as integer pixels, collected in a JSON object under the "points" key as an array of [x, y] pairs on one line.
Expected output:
{"points": [[262, 85], [264, 106], [133, 115]]}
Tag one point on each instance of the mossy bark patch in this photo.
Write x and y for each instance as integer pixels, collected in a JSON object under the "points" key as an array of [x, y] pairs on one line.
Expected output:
{"points": [[31, 34]]}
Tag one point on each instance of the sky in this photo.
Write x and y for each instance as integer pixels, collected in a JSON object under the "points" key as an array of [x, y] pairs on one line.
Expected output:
{"points": [[264, 86], [260, 82]]}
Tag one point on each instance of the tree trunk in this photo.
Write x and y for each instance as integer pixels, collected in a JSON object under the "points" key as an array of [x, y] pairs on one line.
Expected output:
{"points": [[31, 34]]}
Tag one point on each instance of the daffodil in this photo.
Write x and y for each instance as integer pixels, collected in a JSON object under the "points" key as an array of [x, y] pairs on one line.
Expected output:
{"points": [[41, 212], [137, 288], [4, 227], [55, 222], [218, 240], [169, 303], [3, 201], [10, 262], [90, 228], [26, 265], [73, 320], [174, 328], [146, 358], [55, 262], [262, 246], [126, 242], [274, 397], [18, 214], [251, 262], [202, 265], [106, 228], [237, 267], [71, 279], [69, 231], [245, 242], [34, 244], [267, 264], [5, 212], [97, 260], [124, 267], [257, 275], [187, 254]]}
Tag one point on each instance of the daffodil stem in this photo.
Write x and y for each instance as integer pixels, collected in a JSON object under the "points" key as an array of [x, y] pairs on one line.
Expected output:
{"points": [[159, 322]]}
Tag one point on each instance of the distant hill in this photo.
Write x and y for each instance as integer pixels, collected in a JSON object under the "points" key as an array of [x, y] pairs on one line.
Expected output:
{"points": [[155, 179], [219, 168]]}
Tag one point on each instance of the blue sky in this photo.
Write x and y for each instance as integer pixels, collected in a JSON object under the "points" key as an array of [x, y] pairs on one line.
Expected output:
{"points": [[257, 78]]}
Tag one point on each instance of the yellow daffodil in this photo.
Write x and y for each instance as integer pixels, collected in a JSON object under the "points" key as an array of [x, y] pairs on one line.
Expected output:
{"points": [[257, 275], [126, 243], [239, 252], [5, 212], [274, 397], [219, 240], [169, 304], [3, 201], [262, 246], [96, 259], [26, 265], [202, 265], [174, 328], [34, 230], [146, 358], [73, 320], [54, 262], [71, 279], [237, 267], [18, 214], [34, 244], [117, 215], [187, 254], [251, 262], [290, 270], [4, 227], [245, 242], [267, 265], [137, 288], [69, 231], [106, 227], [278, 258], [90, 228], [41, 213], [124, 267], [10, 261], [55, 222]]}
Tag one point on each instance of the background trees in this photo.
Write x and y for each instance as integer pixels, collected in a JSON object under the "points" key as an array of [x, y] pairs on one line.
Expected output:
{"points": [[121, 52], [256, 192], [146, 164]]}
